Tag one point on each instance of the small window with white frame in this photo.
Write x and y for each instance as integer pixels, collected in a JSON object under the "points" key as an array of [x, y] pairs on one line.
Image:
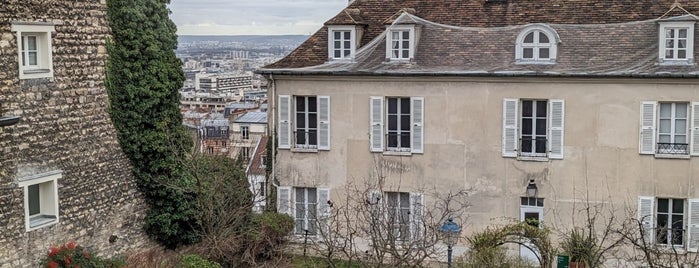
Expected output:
{"points": [[400, 43], [403, 129], [304, 123], [341, 42], [533, 129], [40, 199], [34, 49], [536, 44], [669, 129], [676, 42]]}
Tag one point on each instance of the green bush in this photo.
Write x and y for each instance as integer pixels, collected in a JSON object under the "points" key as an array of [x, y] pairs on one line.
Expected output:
{"points": [[71, 255], [196, 261], [267, 235]]}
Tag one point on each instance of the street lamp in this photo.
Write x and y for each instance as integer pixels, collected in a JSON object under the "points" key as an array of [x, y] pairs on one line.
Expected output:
{"points": [[531, 189], [451, 232]]}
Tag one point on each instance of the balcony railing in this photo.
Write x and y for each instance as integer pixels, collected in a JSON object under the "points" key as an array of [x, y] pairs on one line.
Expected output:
{"points": [[306, 139], [534, 146], [673, 148]]}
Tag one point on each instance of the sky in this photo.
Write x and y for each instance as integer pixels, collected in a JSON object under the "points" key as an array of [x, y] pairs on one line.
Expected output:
{"points": [[252, 17]]}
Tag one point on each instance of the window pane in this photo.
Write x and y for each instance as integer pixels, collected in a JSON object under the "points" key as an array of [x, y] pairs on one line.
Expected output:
{"points": [[541, 127], [311, 196], [681, 110], [665, 110], [300, 210], [32, 58], [677, 205], [527, 126], [395, 35], [405, 122], [664, 126], [524, 201], [543, 53], [528, 53], [312, 137], [300, 104], [396, 44], [300, 120], [392, 122], [541, 145], [682, 33], [405, 140], [682, 43], [670, 43], [299, 226], [529, 38], [662, 226], [543, 38], [663, 205], [347, 44], [34, 207], [392, 140], [681, 126], [541, 109], [669, 33], [337, 35], [681, 54], [31, 42], [337, 44], [347, 35], [405, 54], [337, 54], [664, 138], [312, 106], [526, 144], [527, 108], [406, 35], [347, 53], [681, 139], [669, 54], [312, 120]]}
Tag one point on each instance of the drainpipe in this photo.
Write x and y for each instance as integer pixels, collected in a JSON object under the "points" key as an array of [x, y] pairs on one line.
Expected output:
{"points": [[8, 120], [272, 101]]}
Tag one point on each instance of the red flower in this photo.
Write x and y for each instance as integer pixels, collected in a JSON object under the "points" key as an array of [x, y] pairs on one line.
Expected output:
{"points": [[86, 255], [71, 245], [52, 264], [67, 260], [53, 251]]}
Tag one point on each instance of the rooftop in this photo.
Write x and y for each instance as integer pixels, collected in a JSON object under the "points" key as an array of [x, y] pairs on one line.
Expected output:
{"points": [[253, 118]]}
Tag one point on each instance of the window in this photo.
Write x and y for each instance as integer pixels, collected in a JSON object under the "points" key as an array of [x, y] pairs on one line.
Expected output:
{"points": [[308, 206], [398, 213], [667, 129], [245, 132], [34, 49], [536, 44], [40, 199], [403, 131], [210, 150], [669, 221], [263, 161], [400, 43], [676, 42], [310, 124], [245, 153], [341, 42], [262, 189], [533, 128]]}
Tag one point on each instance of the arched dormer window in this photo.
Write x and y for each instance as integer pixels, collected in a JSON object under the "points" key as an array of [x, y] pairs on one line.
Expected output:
{"points": [[537, 44]]}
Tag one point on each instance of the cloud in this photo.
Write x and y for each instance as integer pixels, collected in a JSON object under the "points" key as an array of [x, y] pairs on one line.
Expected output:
{"points": [[226, 17]]}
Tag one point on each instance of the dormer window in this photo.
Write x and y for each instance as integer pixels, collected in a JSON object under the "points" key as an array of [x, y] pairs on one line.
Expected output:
{"points": [[676, 42], [400, 43], [341, 42], [536, 44]]}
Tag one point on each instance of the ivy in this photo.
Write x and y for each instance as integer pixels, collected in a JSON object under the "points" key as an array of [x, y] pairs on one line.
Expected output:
{"points": [[143, 79]]}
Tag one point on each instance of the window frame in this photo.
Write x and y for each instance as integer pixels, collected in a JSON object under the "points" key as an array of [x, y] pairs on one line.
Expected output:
{"points": [[287, 121], [670, 214], [536, 46], [673, 119], [411, 42], [397, 222], [352, 41], [379, 125], [307, 221], [44, 55], [245, 132], [649, 131], [48, 199], [399, 132], [534, 118], [662, 43], [306, 129]]}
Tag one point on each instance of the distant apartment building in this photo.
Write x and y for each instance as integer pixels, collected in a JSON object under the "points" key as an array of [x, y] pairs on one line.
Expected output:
{"points": [[247, 130], [214, 135], [256, 172]]}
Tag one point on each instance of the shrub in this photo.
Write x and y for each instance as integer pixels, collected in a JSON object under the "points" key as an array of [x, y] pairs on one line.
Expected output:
{"points": [[70, 255], [267, 235], [196, 261]]}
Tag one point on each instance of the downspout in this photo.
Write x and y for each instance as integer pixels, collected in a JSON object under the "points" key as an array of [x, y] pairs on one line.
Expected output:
{"points": [[273, 126]]}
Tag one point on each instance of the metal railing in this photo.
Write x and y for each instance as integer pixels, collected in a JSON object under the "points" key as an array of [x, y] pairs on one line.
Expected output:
{"points": [[672, 148], [309, 141]]}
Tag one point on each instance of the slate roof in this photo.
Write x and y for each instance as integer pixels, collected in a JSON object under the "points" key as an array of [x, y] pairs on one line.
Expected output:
{"points": [[598, 38], [253, 118], [256, 167]]}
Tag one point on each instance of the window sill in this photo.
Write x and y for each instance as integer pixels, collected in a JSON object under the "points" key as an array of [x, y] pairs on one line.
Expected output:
{"points": [[686, 62], [397, 153], [36, 71], [40, 221], [304, 150], [533, 158], [673, 156], [535, 62]]}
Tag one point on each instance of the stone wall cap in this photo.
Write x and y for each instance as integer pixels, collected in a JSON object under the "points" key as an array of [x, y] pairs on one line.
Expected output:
{"points": [[40, 23], [41, 175]]}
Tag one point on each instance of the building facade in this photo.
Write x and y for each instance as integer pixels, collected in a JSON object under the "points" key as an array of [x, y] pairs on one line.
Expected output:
{"points": [[586, 101], [63, 175]]}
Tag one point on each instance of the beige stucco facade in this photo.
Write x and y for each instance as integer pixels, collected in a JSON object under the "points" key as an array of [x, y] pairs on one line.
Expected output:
{"points": [[463, 133]]}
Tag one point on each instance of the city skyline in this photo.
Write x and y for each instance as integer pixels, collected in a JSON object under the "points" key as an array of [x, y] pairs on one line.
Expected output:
{"points": [[252, 17]]}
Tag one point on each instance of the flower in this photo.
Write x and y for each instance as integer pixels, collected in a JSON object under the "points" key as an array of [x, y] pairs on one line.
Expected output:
{"points": [[71, 245], [67, 260], [86, 255], [53, 251], [52, 264]]}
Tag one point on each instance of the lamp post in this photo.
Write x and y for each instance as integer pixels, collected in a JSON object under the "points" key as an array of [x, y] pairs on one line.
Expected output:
{"points": [[531, 189], [451, 232]]}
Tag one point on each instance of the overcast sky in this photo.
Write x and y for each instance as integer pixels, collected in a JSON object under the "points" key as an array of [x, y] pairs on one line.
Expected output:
{"points": [[264, 17]]}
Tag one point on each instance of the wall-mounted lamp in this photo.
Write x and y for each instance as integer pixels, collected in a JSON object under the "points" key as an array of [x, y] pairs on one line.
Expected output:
{"points": [[531, 189], [8, 120]]}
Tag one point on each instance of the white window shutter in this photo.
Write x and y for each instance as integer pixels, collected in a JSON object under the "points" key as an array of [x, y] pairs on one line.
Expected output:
{"points": [[647, 133], [693, 226], [284, 131], [509, 127], [556, 115], [323, 123], [284, 200], [376, 124], [416, 215], [646, 217], [417, 117], [324, 211], [694, 145]]}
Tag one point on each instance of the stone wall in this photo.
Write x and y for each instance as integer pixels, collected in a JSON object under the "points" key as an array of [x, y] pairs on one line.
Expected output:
{"points": [[65, 126]]}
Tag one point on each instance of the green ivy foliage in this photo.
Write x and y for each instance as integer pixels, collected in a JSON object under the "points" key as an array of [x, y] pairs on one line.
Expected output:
{"points": [[143, 79]]}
